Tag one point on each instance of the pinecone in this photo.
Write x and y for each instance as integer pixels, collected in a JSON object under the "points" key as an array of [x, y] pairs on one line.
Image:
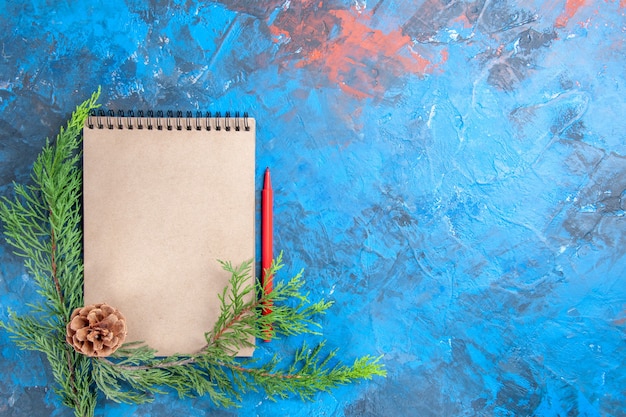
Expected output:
{"points": [[96, 330]]}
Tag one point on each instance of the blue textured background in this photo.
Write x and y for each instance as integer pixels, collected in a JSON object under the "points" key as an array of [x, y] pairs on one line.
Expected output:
{"points": [[451, 173]]}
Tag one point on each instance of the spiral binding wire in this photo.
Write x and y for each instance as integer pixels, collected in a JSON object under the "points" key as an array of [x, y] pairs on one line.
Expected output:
{"points": [[169, 121]]}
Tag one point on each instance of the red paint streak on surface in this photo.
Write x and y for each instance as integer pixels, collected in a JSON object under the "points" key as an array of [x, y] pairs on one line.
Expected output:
{"points": [[571, 7], [278, 33], [464, 20], [364, 62], [353, 59], [622, 3], [445, 54]]}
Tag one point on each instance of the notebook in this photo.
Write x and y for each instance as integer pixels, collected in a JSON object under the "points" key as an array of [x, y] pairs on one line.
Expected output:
{"points": [[164, 199]]}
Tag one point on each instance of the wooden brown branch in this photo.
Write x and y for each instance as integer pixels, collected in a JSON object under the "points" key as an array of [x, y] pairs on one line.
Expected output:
{"points": [[192, 360], [53, 250], [57, 284]]}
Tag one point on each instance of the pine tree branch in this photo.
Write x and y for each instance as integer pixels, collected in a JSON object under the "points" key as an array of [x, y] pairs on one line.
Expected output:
{"points": [[228, 377], [43, 224]]}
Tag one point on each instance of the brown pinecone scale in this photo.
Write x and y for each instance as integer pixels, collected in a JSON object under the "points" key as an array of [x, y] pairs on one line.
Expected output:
{"points": [[96, 330]]}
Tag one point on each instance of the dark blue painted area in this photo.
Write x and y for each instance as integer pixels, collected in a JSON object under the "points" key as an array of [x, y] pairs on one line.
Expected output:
{"points": [[451, 174]]}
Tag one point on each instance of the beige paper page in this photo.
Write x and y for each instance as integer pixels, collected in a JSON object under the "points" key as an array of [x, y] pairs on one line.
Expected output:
{"points": [[161, 207]]}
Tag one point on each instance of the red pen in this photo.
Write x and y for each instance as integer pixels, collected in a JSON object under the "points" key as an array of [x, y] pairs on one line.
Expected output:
{"points": [[267, 242]]}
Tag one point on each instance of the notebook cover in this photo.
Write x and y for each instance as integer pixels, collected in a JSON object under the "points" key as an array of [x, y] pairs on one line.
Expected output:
{"points": [[161, 207]]}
